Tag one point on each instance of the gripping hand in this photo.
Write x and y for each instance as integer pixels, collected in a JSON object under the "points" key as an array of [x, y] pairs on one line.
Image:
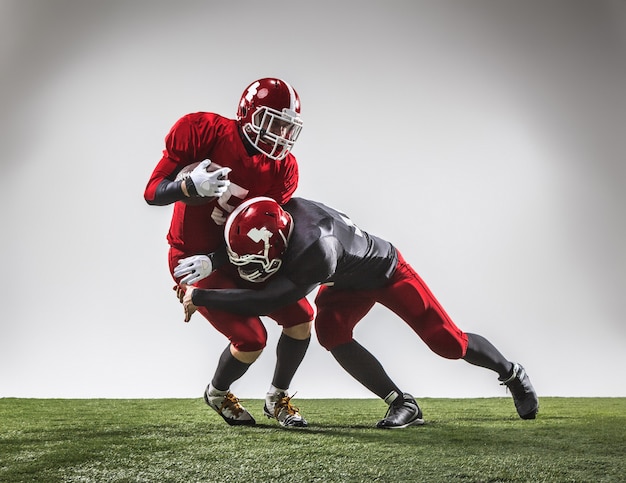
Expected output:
{"points": [[209, 184], [193, 269], [184, 294]]}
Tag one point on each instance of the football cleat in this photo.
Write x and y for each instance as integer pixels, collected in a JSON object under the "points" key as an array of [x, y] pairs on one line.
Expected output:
{"points": [[402, 412], [278, 406], [229, 407], [524, 395]]}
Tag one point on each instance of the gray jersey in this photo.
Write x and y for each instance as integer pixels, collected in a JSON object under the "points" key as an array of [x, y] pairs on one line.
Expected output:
{"points": [[326, 247]]}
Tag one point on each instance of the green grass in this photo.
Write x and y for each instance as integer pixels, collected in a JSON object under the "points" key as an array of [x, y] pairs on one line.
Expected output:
{"points": [[182, 440]]}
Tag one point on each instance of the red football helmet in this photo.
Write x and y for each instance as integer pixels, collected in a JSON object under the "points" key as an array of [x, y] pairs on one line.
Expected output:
{"points": [[269, 115], [257, 234]]}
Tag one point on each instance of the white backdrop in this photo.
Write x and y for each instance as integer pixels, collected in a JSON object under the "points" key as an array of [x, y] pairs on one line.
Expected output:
{"points": [[486, 139]]}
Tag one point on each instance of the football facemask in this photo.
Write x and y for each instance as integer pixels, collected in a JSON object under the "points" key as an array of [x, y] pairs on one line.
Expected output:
{"points": [[272, 132], [255, 270]]}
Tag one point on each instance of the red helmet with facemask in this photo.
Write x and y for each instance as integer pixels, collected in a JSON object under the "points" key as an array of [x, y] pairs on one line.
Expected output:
{"points": [[269, 115], [257, 235]]}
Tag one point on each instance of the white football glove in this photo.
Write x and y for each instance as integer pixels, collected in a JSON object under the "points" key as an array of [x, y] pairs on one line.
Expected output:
{"points": [[193, 268], [210, 184]]}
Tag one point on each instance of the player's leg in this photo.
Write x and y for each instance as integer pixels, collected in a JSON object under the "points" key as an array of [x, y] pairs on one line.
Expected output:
{"points": [[481, 352], [338, 313], [410, 298], [296, 321], [247, 338]]}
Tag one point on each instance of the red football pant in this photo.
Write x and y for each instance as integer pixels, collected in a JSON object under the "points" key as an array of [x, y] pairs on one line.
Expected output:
{"points": [[245, 333], [406, 294]]}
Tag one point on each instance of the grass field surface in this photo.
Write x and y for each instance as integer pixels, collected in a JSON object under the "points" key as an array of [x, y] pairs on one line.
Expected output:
{"points": [[182, 440]]}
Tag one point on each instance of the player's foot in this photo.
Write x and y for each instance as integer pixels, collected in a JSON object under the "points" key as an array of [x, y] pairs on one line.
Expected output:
{"points": [[402, 412], [278, 406], [228, 406], [524, 395]]}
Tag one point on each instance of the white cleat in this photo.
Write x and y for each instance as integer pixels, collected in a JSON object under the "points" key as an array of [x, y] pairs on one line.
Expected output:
{"points": [[278, 406], [229, 407]]}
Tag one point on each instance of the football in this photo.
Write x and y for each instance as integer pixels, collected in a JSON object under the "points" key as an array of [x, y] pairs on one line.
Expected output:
{"points": [[184, 173]]}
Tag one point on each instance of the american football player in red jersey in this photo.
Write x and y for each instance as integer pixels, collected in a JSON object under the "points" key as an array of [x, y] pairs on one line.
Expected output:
{"points": [[304, 245], [252, 154]]}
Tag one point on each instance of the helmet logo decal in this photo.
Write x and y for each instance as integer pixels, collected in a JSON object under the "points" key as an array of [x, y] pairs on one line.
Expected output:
{"points": [[263, 235], [257, 235], [292, 97], [252, 90]]}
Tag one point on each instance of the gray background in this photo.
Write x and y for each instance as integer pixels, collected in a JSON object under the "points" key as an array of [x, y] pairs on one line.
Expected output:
{"points": [[486, 139]]}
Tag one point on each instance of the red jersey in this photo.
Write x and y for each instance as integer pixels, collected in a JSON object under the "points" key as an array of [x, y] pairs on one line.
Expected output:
{"points": [[195, 137]]}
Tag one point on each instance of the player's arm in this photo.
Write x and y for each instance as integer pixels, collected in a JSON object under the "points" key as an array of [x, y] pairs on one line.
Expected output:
{"points": [[198, 183], [315, 266], [164, 188], [278, 293]]}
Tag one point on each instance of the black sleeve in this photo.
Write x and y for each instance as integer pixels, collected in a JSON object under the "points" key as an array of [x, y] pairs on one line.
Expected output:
{"points": [[278, 293], [168, 192]]}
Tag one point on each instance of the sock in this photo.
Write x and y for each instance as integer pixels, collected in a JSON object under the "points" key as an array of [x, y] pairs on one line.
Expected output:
{"points": [[275, 390], [366, 369], [392, 397], [228, 371], [481, 352], [289, 355], [211, 391]]}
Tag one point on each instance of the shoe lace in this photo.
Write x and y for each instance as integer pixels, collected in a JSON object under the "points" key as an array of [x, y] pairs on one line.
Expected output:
{"points": [[285, 404], [231, 402]]}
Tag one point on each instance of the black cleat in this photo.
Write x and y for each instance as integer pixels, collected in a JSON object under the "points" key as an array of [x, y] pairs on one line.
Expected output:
{"points": [[524, 395], [402, 412]]}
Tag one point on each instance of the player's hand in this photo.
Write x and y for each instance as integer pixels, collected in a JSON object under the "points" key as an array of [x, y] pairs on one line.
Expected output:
{"points": [[209, 184], [184, 294], [193, 268]]}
